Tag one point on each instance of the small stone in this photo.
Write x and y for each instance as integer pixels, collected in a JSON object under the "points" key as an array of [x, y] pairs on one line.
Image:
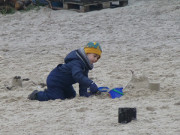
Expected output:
{"points": [[26, 79]]}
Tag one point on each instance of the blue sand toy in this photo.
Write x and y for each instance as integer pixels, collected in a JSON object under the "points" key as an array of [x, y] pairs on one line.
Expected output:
{"points": [[103, 89], [116, 92]]}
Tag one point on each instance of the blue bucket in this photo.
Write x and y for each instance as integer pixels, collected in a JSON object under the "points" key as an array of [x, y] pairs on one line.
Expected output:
{"points": [[116, 92]]}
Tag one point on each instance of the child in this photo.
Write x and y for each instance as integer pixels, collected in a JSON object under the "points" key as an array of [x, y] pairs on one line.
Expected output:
{"points": [[76, 68]]}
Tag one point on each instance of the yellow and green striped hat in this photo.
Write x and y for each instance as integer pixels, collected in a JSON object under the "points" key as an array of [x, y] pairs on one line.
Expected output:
{"points": [[93, 47]]}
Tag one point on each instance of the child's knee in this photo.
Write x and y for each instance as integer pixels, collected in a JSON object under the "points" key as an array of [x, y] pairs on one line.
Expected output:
{"points": [[71, 94]]}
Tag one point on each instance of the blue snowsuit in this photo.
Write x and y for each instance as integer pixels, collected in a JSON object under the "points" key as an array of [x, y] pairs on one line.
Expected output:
{"points": [[60, 80]]}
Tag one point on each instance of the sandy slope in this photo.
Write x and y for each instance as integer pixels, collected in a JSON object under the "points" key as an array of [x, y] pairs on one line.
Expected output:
{"points": [[143, 37]]}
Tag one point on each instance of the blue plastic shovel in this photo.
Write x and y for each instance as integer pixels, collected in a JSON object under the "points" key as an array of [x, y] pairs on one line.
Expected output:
{"points": [[114, 93], [103, 89]]}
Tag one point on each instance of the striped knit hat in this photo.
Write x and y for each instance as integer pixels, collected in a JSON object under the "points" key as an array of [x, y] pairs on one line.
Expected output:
{"points": [[93, 47]]}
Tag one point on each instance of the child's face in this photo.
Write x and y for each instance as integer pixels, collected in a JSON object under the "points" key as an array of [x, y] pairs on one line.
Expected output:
{"points": [[93, 58]]}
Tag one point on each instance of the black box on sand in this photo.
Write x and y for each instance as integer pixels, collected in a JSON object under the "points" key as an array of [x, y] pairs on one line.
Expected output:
{"points": [[125, 115]]}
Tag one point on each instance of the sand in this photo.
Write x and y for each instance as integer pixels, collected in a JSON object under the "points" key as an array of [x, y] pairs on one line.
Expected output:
{"points": [[143, 37]]}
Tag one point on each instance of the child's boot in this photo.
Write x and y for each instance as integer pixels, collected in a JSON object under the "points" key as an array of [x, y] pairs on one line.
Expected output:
{"points": [[33, 95]]}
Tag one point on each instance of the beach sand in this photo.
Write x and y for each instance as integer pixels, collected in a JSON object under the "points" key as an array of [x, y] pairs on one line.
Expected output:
{"points": [[143, 37]]}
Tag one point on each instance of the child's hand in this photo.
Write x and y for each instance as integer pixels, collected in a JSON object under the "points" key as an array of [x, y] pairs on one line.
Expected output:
{"points": [[98, 93], [93, 88], [87, 94]]}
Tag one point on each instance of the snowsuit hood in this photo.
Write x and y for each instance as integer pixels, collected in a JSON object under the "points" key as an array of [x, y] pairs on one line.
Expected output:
{"points": [[79, 55]]}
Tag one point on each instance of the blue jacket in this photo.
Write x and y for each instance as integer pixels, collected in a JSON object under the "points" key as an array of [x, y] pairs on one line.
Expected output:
{"points": [[60, 80]]}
